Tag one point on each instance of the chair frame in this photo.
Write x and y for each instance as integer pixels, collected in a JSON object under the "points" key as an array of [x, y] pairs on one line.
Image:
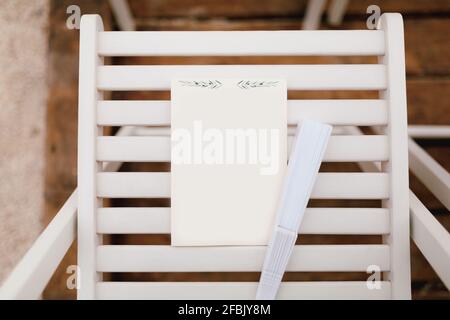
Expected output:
{"points": [[94, 78], [48, 251]]}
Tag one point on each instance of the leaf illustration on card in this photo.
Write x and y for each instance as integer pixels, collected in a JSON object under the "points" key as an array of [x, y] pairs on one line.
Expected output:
{"points": [[210, 84], [247, 84]]}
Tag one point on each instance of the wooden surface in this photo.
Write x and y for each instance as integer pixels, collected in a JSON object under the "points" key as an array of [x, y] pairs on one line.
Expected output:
{"points": [[428, 88]]}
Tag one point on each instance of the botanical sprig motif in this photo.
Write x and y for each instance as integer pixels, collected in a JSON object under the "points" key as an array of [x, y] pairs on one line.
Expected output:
{"points": [[216, 84], [246, 84], [210, 84]]}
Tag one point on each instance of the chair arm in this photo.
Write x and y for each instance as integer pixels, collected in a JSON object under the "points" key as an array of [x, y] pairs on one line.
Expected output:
{"points": [[31, 275], [432, 239]]}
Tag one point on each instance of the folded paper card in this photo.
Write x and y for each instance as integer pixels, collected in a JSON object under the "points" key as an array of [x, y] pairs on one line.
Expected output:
{"points": [[229, 158]]}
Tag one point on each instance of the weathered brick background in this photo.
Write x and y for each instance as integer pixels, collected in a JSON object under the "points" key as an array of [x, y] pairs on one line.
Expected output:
{"points": [[428, 84]]}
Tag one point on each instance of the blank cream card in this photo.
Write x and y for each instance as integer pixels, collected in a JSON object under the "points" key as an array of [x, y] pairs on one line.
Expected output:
{"points": [[228, 159]]}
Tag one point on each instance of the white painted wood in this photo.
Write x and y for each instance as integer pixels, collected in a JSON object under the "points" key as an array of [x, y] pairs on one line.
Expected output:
{"points": [[242, 43], [134, 149], [123, 15], [353, 185], [157, 258], [87, 165], [345, 221], [133, 185], [397, 167], [298, 77], [390, 110], [115, 166], [336, 11], [429, 172], [316, 221], [319, 290], [431, 238], [313, 14], [428, 234], [157, 149], [363, 148], [364, 112], [429, 132], [164, 131], [131, 112], [30, 277], [130, 220]]}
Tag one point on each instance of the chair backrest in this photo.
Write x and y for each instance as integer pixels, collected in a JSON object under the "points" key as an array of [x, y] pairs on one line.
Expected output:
{"points": [[390, 186]]}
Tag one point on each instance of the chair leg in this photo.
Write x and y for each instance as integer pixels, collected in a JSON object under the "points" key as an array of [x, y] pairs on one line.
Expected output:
{"points": [[336, 12], [313, 14], [123, 15]]}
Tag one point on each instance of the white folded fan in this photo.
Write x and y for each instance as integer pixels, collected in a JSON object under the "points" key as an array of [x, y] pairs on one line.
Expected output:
{"points": [[304, 163]]}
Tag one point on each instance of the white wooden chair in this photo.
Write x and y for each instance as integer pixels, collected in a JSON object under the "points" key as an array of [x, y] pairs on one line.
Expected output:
{"points": [[385, 152], [389, 148]]}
